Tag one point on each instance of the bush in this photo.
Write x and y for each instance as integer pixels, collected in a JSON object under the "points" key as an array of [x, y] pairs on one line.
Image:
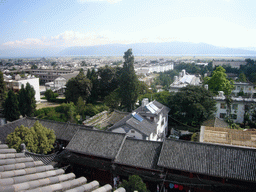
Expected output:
{"points": [[38, 139]]}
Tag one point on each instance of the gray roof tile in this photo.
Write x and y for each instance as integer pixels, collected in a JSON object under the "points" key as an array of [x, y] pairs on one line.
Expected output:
{"points": [[139, 153], [209, 159], [145, 127], [98, 143]]}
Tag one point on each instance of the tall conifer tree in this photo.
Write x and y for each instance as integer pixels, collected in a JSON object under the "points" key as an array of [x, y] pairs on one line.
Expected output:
{"points": [[2, 89], [128, 82], [11, 107], [30, 100]]}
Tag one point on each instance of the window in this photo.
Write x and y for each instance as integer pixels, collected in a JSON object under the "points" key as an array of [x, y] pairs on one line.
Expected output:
{"points": [[223, 106], [132, 131], [222, 115], [233, 116], [246, 107], [235, 106]]}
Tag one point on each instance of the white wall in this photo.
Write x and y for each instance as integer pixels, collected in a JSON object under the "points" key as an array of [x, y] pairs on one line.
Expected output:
{"points": [[136, 134], [34, 82]]}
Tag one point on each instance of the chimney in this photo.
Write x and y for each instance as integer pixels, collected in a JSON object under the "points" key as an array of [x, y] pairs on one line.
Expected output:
{"points": [[183, 72], [144, 102], [221, 93]]}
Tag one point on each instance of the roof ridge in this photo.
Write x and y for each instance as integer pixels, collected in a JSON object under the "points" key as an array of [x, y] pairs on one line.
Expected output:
{"points": [[213, 144], [120, 148]]}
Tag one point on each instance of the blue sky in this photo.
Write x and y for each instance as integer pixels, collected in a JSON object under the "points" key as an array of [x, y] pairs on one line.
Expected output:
{"points": [[65, 23]]}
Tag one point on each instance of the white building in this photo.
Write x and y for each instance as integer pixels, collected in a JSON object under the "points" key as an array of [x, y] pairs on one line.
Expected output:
{"points": [[154, 68], [15, 84], [184, 79], [246, 88], [238, 107], [59, 84], [148, 122]]}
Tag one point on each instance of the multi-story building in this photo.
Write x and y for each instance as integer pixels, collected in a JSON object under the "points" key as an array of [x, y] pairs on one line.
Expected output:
{"points": [[184, 79], [148, 122], [237, 109], [59, 84], [243, 89], [16, 83], [47, 75]]}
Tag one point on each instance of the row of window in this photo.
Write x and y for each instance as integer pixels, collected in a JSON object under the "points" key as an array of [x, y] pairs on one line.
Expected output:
{"points": [[223, 115], [224, 106], [234, 106]]}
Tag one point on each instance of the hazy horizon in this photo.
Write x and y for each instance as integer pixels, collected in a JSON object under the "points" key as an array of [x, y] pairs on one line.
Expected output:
{"points": [[61, 24]]}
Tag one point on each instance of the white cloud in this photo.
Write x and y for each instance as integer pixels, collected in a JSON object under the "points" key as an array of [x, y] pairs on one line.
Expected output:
{"points": [[66, 39], [213, 31], [109, 1]]}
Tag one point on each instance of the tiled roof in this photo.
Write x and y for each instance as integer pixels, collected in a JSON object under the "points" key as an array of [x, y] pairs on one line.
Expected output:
{"points": [[214, 160], [63, 131], [117, 116], [46, 159], [139, 153], [9, 128], [215, 122], [162, 108], [20, 173], [98, 143], [145, 127]]}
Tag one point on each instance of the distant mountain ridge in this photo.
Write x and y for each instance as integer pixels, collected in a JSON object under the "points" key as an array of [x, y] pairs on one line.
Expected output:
{"points": [[170, 48], [139, 49]]}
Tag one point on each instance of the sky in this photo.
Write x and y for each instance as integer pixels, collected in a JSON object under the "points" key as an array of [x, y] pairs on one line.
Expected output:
{"points": [[65, 23]]}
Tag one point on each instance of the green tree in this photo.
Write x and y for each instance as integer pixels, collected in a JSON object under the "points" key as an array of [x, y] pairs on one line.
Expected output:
{"points": [[78, 86], [134, 183], [128, 82], [2, 89], [219, 82], [34, 66], [113, 100], [30, 100], [50, 95], [22, 100], [242, 78], [38, 139], [162, 97], [93, 77], [191, 106], [80, 106], [11, 107]]}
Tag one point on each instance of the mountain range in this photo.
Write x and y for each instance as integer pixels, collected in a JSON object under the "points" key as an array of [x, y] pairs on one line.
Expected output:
{"points": [[139, 49]]}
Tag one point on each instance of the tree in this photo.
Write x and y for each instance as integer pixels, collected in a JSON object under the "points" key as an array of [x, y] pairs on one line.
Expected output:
{"points": [[113, 100], [30, 101], [50, 95], [134, 183], [219, 82], [80, 106], [192, 105], [11, 107], [93, 77], [78, 86], [22, 100], [34, 66], [2, 89], [38, 139], [128, 82], [242, 77]]}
